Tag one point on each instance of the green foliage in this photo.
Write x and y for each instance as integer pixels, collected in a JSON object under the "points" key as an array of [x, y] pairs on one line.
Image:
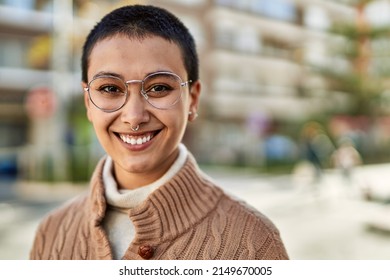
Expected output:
{"points": [[351, 32], [364, 79], [79, 142]]}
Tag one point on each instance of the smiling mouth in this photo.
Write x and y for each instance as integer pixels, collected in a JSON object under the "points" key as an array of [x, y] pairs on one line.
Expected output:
{"points": [[137, 139]]}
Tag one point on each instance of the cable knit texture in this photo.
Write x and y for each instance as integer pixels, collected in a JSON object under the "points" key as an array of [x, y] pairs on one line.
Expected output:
{"points": [[189, 217]]}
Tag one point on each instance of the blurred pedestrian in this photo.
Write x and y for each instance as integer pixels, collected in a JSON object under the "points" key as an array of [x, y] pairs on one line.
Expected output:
{"points": [[346, 157], [147, 198], [316, 147]]}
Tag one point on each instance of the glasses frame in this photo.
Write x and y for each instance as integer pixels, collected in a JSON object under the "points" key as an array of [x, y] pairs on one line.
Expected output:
{"points": [[142, 92]]}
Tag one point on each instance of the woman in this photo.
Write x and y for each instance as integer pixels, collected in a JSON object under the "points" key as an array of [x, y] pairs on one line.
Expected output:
{"points": [[147, 197]]}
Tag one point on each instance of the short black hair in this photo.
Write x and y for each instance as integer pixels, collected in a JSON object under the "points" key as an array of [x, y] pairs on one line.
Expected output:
{"points": [[141, 21]]}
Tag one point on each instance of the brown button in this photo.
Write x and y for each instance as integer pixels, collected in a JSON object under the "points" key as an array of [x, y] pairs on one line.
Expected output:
{"points": [[146, 251]]}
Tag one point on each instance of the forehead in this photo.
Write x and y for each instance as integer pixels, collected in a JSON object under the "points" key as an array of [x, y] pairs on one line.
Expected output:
{"points": [[121, 54]]}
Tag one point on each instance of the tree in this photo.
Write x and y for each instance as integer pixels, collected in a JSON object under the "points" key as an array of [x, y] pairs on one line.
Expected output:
{"points": [[364, 79]]}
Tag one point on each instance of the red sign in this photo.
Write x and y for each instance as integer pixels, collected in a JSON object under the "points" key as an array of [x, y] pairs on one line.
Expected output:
{"points": [[40, 103]]}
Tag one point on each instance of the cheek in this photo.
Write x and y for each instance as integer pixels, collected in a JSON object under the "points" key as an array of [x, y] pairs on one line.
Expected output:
{"points": [[180, 123], [176, 118], [100, 122]]}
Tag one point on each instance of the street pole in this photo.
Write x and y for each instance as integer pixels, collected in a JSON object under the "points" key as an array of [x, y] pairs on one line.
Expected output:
{"points": [[62, 83]]}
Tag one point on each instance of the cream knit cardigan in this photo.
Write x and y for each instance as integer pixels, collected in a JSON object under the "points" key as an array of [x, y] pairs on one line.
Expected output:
{"points": [[189, 217]]}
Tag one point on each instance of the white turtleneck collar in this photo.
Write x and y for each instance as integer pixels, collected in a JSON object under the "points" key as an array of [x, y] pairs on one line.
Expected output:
{"points": [[127, 199]]}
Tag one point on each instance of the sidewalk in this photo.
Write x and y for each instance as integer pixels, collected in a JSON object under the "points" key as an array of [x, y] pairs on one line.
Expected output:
{"points": [[21, 211]]}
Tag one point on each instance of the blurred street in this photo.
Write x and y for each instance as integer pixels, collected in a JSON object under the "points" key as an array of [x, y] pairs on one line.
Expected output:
{"points": [[327, 219]]}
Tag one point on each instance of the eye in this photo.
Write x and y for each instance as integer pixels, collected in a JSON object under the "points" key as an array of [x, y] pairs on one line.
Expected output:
{"points": [[158, 90], [108, 86], [110, 89]]}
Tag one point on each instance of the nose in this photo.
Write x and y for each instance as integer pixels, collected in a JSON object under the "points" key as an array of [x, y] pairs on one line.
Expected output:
{"points": [[135, 110]]}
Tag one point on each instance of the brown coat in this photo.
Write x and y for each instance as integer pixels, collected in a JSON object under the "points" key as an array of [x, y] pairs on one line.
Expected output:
{"points": [[187, 218]]}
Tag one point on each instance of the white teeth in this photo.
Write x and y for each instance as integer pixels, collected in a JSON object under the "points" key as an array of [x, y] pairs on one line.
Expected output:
{"points": [[135, 140]]}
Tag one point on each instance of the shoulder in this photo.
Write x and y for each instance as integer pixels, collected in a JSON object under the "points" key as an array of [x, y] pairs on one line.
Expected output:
{"points": [[56, 226], [71, 208], [240, 210], [81, 204], [255, 234], [62, 216]]}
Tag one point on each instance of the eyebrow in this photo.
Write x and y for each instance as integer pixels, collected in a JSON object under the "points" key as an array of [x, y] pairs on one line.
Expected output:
{"points": [[106, 73]]}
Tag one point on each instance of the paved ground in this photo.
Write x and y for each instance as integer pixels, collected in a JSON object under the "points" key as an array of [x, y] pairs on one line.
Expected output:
{"points": [[328, 219], [22, 206]]}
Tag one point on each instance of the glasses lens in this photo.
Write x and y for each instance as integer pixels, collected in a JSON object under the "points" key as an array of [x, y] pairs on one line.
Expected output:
{"points": [[108, 93], [162, 90]]}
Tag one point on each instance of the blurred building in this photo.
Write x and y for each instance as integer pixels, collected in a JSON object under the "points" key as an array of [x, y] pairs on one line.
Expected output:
{"points": [[254, 68], [39, 74], [20, 27]]}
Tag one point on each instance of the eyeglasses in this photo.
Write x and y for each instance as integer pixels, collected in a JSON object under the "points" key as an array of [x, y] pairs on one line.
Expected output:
{"points": [[162, 90]]}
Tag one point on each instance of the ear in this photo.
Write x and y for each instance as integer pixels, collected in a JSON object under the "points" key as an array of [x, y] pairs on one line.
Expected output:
{"points": [[87, 102], [195, 90]]}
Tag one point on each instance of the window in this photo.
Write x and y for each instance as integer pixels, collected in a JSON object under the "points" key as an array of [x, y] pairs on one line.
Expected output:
{"points": [[279, 9], [21, 4], [316, 18]]}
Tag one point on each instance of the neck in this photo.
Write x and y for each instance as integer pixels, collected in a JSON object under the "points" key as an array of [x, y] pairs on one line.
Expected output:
{"points": [[135, 180]]}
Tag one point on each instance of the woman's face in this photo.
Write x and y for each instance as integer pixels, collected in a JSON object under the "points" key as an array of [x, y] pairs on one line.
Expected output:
{"points": [[141, 163]]}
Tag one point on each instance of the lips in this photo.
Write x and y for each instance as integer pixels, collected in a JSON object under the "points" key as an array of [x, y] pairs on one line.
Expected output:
{"points": [[137, 139]]}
